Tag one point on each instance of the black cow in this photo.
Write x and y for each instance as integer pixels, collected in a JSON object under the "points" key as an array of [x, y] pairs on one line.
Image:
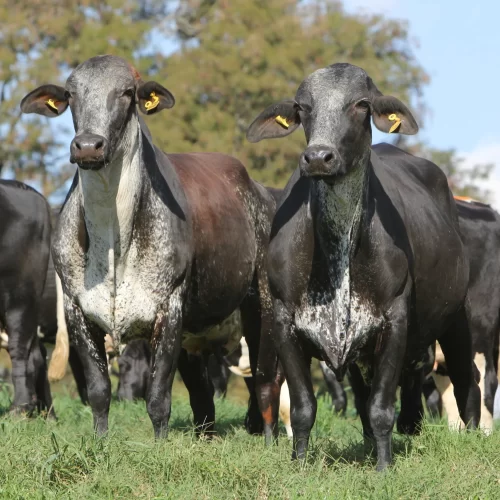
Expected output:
{"points": [[164, 247], [366, 263], [24, 253], [480, 228]]}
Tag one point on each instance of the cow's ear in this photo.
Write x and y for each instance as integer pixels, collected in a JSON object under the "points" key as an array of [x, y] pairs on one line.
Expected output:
{"points": [[47, 100], [152, 97], [277, 120], [391, 115]]}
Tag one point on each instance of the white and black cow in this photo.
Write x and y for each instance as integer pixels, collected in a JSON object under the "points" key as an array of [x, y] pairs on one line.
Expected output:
{"points": [[366, 263], [24, 253], [154, 245]]}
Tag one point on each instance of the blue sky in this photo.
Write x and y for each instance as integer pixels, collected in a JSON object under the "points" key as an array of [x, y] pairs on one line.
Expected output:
{"points": [[458, 46]]}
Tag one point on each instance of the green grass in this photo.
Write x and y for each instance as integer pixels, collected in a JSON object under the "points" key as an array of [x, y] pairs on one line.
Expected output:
{"points": [[43, 459]]}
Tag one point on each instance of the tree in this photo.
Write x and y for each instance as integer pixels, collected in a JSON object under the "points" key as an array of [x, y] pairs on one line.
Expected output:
{"points": [[461, 179], [235, 58], [239, 57], [40, 42]]}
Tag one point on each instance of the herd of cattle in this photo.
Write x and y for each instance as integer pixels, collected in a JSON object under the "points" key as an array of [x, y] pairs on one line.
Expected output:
{"points": [[181, 261]]}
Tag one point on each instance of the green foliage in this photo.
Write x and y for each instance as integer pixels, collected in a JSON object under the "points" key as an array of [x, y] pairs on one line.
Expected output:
{"points": [[247, 55], [461, 179], [40, 42], [45, 460], [235, 58]]}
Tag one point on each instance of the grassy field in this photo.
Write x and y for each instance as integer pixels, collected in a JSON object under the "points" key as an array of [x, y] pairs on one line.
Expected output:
{"points": [[44, 459]]}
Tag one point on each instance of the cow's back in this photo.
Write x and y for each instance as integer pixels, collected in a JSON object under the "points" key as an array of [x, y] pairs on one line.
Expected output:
{"points": [[480, 229], [228, 210], [416, 192]]}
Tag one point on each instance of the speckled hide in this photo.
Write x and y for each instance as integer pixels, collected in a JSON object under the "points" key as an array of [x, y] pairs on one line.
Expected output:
{"points": [[151, 245]]}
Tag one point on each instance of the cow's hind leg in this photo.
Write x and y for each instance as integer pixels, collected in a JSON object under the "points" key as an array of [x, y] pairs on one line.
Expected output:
{"points": [[257, 321], [194, 372], [412, 411], [335, 388], [21, 326], [432, 398], [488, 385], [78, 374], [361, 393], [38, 363], [165, 350], [457, 350]]}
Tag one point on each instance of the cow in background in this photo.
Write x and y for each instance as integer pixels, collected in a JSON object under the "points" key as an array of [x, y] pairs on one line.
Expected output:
{"points": [[480, 229], [25, 231]]}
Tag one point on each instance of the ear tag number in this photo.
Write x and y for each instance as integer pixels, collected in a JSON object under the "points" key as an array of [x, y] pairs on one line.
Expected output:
{"points": [[52, 105], [397, 122], [282, 121], [155, 100]]}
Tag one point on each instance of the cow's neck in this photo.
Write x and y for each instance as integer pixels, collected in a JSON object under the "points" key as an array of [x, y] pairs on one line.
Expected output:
{"points": [[337, 210], [110, 196]]}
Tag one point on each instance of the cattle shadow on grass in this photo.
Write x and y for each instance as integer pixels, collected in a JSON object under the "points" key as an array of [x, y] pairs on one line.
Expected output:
{"points": [[354, 452]]}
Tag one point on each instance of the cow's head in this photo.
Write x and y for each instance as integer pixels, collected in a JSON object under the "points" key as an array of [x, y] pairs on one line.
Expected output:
{"points": [[102, 93], [134, 371], [334, 105]]}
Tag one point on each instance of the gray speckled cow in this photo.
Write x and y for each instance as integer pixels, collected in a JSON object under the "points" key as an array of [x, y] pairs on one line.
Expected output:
{"points": [[154, 245]]}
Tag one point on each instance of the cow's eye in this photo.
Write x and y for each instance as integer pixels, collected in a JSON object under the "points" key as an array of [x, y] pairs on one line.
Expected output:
{"points": [[363, 105], [67, 94], [129, 93]]}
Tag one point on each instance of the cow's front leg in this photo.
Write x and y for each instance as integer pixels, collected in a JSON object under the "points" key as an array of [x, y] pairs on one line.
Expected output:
{"points": [[166, 345], [88, 340], [297, 366], [388, 362]]}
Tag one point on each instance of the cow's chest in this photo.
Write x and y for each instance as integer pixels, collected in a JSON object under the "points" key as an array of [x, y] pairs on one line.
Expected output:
{"points": [[334, 316], [125, 301], [335, 312]]}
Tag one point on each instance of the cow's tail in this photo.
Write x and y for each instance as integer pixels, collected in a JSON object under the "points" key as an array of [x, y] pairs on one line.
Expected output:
{"points": [[60, 356]]}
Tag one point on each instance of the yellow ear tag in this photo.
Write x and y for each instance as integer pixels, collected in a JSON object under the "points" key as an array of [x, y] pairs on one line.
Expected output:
{"points": [[51, 103], [155, 100], [282, 121], [394, 118]]}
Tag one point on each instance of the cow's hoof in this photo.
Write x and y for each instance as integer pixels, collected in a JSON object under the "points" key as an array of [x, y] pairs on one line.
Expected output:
{"points": [[26, 410], [409, 427], [254, 424]]}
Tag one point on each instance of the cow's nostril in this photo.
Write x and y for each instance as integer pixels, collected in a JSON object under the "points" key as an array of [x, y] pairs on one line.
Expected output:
{"points": [[78, 145], [306, 158], [98, 145], [328, 157]]}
